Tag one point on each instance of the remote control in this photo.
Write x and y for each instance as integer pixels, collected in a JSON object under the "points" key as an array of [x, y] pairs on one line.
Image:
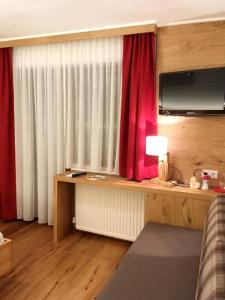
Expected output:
{"points": [[76, 174]]}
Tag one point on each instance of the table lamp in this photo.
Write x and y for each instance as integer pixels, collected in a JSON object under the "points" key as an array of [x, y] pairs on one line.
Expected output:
{"points": [[157, 146]]}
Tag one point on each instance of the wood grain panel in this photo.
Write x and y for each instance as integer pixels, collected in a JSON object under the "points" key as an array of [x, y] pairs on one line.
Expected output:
{"points": [[144, 186], [77, 268], [182, 206], [180, 211], [62, 38], [191, 46], [9, 228], [6, 260], [63, 209], [194, 142]]}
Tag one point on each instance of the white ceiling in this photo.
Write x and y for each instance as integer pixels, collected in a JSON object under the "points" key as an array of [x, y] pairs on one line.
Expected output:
{"points": [[19, 18]]}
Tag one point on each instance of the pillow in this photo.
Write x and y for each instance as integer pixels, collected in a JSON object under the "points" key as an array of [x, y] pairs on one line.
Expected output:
{"points": [[215, 221], [211, 280]]}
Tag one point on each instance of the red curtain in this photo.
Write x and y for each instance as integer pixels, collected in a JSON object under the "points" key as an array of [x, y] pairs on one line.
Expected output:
{"points": [[7, 140], [138, 113]]}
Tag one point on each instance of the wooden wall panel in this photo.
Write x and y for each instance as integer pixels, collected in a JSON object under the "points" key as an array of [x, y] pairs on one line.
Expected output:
{"points": [[194, 142], [192, 46], [83, 35], [176, 210]]}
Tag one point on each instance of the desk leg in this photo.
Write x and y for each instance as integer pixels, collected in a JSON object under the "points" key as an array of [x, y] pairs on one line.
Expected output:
{"points": [[64, 196]]}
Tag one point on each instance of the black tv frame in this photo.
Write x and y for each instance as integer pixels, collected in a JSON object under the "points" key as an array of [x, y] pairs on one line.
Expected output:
{"points": [[188, 113]]}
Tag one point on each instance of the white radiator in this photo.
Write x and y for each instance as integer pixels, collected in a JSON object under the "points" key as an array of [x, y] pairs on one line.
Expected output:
{"points": [[111, 212]]}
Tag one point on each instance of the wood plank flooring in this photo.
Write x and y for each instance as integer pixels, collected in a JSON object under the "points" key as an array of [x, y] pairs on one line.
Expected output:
{"points": [[77, 269]]}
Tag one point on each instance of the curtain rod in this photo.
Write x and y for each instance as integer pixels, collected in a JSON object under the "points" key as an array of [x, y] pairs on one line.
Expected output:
{"points": [[60, 38]]}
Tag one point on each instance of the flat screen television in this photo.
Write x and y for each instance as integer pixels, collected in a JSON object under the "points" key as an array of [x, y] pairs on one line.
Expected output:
{"points": [[191, 93]]}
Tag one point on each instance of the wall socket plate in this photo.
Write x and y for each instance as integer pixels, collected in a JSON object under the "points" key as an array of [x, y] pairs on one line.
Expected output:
{"points": [[212, 173]]}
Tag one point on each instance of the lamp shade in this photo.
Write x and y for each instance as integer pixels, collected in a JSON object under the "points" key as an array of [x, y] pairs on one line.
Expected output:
{"points": [[156, 145]]}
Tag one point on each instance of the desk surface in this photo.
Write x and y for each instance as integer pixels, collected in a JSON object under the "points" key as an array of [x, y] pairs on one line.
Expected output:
{"points": [[113, 181], [179, 206]]}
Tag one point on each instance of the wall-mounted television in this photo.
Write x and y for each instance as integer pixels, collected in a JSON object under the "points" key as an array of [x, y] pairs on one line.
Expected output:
{"points": [[191, 93]]}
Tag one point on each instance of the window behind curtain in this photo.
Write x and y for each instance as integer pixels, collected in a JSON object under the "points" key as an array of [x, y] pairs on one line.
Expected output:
{"points": [[67, 113], [108, 76]]}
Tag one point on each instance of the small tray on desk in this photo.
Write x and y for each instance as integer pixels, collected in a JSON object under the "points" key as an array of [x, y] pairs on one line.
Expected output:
{"points": [[95, 177]]}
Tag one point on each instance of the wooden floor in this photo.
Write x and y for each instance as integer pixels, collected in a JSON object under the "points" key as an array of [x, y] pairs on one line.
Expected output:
{"points": [[77, 269]]}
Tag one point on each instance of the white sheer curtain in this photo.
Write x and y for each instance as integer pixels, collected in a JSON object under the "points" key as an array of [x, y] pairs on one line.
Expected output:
{"points": [[67, 112]]}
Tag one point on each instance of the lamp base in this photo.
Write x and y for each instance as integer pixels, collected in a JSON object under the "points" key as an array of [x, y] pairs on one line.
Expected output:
{"points": [[163, 167]]}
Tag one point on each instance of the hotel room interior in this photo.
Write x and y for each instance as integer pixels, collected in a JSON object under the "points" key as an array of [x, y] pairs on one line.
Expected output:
{"points": [[112, 150]]}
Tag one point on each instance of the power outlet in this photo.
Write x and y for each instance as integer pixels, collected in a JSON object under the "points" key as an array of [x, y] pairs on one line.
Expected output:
{"points": [[212, 173]]}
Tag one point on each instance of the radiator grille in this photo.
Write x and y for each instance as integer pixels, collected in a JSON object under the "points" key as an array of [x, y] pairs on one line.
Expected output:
{"points": [[111, 212]]}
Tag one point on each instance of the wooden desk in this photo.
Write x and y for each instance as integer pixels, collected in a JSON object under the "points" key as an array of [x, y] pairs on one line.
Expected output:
{"points": [[179, 206]]}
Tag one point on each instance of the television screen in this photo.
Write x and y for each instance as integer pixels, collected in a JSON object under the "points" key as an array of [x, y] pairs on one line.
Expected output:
{"points": [[196, 92]]}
